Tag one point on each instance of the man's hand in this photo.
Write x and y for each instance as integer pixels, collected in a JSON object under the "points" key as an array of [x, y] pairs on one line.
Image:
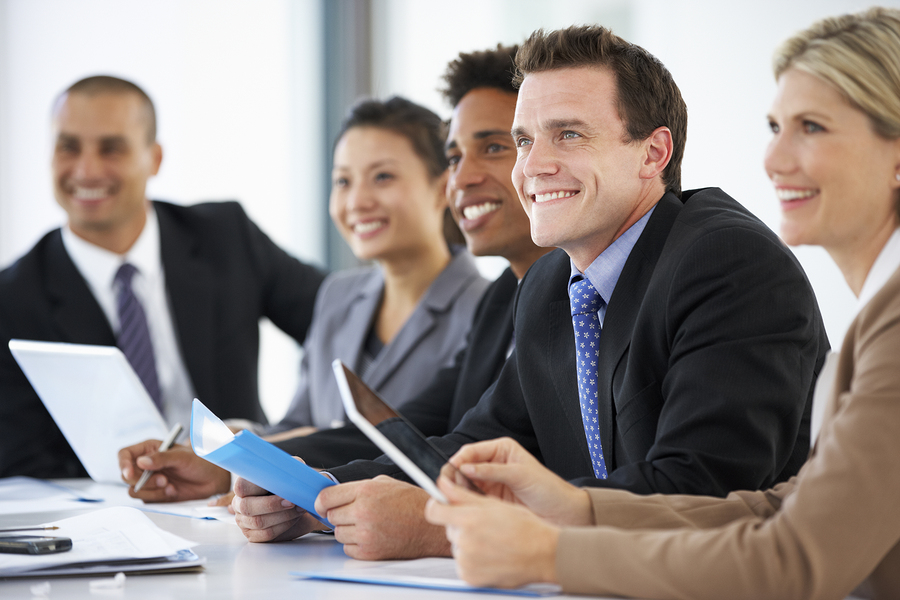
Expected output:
{"points": [[264, 517], [179, 473], [495, 543], [381, 518]]}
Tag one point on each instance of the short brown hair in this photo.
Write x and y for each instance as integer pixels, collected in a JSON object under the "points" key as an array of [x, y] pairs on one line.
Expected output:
{"points": [[493, 69], [107, 84], [647, 95]]}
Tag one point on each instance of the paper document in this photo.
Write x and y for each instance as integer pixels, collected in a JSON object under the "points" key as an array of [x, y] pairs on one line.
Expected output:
{"points": [[429, 573], [106, 541], [256, 460]]}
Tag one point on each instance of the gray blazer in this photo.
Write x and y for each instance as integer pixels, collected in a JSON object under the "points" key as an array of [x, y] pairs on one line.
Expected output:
{"points": [[427, 342]]}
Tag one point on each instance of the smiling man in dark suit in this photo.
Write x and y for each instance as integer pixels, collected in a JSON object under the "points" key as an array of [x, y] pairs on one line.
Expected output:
{"points": [[706, 334], [205, 276]]}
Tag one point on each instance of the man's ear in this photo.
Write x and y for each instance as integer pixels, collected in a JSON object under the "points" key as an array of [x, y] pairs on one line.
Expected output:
{"points": [[157, 157], [658, 153]]}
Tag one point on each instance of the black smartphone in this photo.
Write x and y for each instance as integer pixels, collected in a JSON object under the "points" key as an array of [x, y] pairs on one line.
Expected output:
{"points": [[33, 544]]}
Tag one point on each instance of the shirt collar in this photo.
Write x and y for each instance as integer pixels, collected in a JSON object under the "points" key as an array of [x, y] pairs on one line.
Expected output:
{"points": [[98, 266], [604, 272], [884, 266]]}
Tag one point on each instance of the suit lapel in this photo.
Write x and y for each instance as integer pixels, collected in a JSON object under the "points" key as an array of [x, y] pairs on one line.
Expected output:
{"points": [[75, 313], [191, 290], [360, 314], [561, 342], [417, 327], [623, 308]]}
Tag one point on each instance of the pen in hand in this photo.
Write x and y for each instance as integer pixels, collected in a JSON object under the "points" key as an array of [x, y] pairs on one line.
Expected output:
{"points": [[167, 443]]}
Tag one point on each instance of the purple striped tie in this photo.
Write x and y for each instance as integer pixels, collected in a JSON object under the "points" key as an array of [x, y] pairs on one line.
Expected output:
{"points": [[134, 335]]}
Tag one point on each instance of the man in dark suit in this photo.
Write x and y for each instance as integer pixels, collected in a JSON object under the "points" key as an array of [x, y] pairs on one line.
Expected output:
{"points": [[484, 204], [205, 276], [711, 337]]}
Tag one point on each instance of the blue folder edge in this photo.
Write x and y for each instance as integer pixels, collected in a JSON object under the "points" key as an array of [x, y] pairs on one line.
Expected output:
{"points": [[259, 462], [532, 591]]}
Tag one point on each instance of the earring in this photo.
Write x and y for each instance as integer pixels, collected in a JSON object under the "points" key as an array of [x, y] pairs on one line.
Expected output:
{"points": [[897, 176]]}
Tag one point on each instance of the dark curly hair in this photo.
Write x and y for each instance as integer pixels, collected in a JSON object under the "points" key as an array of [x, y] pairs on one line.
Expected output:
{"points": [[484, 69]]}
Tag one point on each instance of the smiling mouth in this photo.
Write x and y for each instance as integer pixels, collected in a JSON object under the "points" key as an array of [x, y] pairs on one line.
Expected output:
{"points": [[368, 227], [791, 194], [87, 193], [538, 198], [479, 210]]}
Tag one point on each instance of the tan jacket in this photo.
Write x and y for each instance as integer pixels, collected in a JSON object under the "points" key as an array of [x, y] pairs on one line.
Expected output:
{"points": [[818, 535]]}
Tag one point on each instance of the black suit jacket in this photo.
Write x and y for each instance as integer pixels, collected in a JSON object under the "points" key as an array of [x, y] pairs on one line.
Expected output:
{"points": [[711, 344], [441, 406], [222, 276]]}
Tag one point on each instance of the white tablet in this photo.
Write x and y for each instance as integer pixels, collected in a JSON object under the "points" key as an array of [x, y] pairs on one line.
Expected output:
{"points": [[395, 436], [95, 397]]}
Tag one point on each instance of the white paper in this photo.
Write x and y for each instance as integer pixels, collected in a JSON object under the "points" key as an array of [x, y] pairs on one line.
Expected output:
{"points": [[119, 533]]}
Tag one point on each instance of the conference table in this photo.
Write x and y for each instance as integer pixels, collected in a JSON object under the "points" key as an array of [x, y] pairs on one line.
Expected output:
{"points": [[234, 568]]}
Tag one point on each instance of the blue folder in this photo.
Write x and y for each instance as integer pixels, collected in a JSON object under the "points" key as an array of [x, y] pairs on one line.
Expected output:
{"points": [[256, 460]]}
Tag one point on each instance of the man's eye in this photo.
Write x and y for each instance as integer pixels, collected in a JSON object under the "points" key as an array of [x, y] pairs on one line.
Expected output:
{"points": [[522, 141], [453, 160], [495, 148], [570, 135], [774, 127]]}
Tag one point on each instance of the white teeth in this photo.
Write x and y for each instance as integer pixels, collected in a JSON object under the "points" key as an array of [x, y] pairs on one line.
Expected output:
{"points": [[552, 196], [479, 210], [794, 194], [89, 193], [368, 226]]}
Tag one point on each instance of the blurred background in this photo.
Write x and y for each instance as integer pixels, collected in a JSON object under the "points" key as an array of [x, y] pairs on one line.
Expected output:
{"points": [[249, 94]]}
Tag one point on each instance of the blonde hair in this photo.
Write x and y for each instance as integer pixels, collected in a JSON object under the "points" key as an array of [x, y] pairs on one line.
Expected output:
{"points": [[859, 54]]}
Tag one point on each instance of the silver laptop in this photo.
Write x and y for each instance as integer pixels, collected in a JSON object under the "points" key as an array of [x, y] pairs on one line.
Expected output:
{"points": [[95, 397]]}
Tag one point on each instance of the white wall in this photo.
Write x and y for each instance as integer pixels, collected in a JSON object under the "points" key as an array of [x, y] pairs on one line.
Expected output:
{"points": [[233, 122]]}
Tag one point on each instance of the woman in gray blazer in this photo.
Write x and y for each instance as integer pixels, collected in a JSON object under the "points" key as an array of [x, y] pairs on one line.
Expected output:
{"points": [[398, 322], [834, 159]]}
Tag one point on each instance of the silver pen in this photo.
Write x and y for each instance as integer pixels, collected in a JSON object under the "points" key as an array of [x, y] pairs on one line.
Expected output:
{"points": [[167, 443]]}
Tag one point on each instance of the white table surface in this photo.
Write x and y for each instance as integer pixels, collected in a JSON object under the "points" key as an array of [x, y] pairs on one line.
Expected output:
{"points": [[234, 567]]}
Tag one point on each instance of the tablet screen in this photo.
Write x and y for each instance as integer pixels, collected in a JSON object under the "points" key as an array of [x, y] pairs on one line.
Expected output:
{"points": [[401, 433]]}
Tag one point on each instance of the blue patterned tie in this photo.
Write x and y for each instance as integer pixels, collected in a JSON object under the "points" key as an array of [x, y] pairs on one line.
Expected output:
{"points": [[586, 301], [134, 335]]}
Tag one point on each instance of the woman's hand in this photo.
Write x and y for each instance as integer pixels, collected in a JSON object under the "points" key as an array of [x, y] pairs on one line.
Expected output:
{"points": [[495, 543], [505, 470]]}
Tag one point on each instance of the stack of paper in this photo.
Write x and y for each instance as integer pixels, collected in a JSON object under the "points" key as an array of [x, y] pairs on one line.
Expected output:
{"points": [[106, 541]]}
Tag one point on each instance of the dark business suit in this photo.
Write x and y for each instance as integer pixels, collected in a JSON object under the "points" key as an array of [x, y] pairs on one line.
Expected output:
{"points": [[222, 276], [711, 343], [453, 391]]}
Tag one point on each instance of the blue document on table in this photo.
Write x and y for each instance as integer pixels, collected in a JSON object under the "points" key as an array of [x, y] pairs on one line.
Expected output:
{"points": [[426, 573], [256, 460]]}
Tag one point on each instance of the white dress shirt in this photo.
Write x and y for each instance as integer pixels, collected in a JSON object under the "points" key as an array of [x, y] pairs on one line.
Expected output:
{"points": [[885, 265], [98, 267]]}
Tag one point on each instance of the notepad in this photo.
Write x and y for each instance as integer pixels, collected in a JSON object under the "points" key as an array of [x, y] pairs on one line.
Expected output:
{"points": [[256, 460]]}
